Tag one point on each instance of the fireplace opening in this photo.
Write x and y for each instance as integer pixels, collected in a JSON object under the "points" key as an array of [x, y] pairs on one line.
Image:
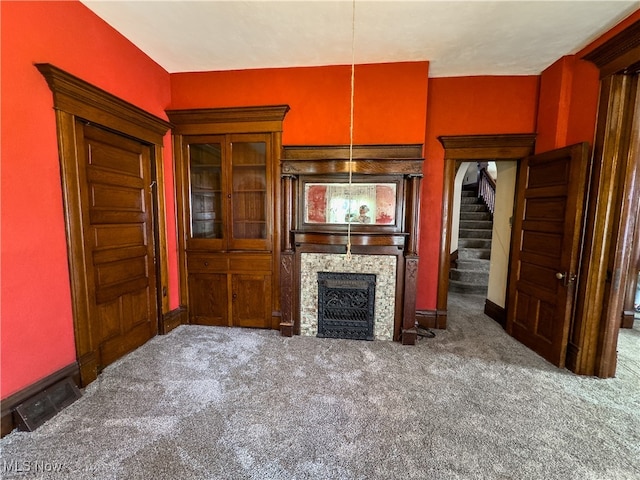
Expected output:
{"points": [[346, 305]]}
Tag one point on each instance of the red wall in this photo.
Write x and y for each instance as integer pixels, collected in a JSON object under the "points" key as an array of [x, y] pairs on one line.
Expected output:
{"points": [[389, 107], [37, 326], [464, 106]]}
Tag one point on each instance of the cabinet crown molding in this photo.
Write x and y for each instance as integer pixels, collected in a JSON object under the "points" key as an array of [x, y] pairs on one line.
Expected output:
{"points": [[266, 118]]}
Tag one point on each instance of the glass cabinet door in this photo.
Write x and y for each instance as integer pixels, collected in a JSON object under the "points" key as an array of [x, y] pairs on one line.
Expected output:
{"points": [[206, 185], [249, 177]]}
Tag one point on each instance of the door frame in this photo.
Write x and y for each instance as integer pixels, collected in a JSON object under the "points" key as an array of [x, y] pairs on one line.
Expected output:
{"points": [[614, 191], [76, 100], [458, 149]]}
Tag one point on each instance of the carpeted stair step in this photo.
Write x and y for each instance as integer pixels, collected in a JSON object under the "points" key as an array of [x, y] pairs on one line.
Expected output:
{"points": [[478, 224], [477, 277], [483, 243], [473, 264], [474, 253], [462, 287], [474, 233], [475, 216], [472, 207]]}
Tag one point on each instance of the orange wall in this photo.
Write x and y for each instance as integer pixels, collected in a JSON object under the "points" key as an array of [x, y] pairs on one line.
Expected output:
{"points": [[568, 104], [464, 106], [37, 326], [389, 107], [569, 96]]}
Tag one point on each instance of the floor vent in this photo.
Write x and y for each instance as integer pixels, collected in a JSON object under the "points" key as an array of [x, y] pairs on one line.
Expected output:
{"points": [[41, 407]]}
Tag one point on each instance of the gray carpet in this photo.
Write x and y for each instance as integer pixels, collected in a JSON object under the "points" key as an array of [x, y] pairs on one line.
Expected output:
{"points": [[217, 403]]}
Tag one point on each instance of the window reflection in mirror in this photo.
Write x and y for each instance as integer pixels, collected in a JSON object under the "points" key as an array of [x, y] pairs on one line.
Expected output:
{"points": [[341, 203]]}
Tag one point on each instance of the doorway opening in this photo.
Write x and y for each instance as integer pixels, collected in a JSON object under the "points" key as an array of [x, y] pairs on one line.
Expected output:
{"points": [[505, 151]]}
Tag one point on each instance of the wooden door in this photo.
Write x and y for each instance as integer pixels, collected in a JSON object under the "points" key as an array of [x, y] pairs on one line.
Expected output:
{"points": [[545, 246], [115, 179]]}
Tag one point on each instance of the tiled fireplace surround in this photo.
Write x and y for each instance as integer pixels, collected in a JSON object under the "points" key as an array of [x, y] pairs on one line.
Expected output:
{"points": [[382, 266], [389, 252]]}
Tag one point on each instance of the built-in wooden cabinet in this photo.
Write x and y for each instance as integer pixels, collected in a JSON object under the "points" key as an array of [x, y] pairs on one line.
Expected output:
{"points": [[227, 179]]}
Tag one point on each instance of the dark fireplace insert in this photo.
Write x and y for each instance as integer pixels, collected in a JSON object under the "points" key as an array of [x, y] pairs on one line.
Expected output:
{"points": [[346, 305]]}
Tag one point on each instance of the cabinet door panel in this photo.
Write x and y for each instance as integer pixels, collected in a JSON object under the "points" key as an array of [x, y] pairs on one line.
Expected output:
{"points": [[250, 220], [251, 300], [208, 299]]}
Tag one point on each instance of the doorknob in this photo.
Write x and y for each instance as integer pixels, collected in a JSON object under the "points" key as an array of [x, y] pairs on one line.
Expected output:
{"points": [[569, 278]]}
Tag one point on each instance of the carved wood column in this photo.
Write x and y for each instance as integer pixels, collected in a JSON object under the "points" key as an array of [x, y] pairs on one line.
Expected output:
{"points": [[287, 258], [409, 332]]}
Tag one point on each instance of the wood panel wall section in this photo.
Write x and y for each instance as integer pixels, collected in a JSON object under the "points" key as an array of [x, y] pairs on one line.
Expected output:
{"points": [[384, 163], [218, 271]]}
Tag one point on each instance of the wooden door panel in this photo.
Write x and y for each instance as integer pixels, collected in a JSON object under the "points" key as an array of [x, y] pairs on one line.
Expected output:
{"points": [[550, 173], [113, 348], [251, 297], [208, 299], [545, 244], [107, 321], [119, 242]]}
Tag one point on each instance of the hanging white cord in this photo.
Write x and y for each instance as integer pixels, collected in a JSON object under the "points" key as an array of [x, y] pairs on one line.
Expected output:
{"points": [[353, 71]]}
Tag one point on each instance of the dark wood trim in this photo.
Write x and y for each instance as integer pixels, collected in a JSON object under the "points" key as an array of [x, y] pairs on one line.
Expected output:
{"points": [[288, 292], [453, 258], [432, 318], [614, 191], [409, 333], [496, 312], [76, 96], [12, 401], [619, 53], [76, 100], [173, 319], [459, 148], [341, 152], [212, 121], [488, 147], [359, 166], [628, 315]]}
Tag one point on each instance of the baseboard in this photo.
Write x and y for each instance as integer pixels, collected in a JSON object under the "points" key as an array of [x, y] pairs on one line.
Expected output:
{"points": [[174, 318], [432, 318], [12, 401], [496, 312], [628, 316], [453, 259]]}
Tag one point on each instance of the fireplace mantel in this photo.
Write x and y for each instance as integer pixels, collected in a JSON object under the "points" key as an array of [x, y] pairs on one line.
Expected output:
{"points": [[397, 165]]}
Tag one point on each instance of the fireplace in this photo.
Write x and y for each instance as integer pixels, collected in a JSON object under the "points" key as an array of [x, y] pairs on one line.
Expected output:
{"points": [[319, 199], [382, 267], [346, 303]]}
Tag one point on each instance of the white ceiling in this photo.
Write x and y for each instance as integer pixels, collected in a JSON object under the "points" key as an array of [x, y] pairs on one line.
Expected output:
{"points": [[458, 37]]}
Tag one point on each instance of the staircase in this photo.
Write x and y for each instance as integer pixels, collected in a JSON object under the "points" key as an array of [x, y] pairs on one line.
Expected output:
{"points": [[471, 272]]}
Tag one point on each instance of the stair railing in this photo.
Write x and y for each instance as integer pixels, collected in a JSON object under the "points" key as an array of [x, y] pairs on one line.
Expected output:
{"points": [[487, 190]]}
